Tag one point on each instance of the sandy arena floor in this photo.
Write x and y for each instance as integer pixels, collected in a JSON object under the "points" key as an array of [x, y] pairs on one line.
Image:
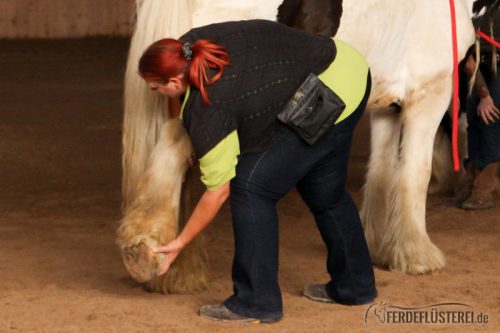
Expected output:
{"points": [[60, 123]]}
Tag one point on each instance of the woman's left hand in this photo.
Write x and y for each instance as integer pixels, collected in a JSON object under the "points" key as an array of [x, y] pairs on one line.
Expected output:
{"points": [[171, 250]]}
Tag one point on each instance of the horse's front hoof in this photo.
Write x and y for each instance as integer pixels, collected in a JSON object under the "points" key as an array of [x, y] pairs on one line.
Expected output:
{"points": [[422, 258], [141, 262]]}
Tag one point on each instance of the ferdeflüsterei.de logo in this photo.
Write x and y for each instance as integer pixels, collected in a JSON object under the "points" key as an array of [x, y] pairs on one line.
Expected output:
{"points": [[441, 313]]}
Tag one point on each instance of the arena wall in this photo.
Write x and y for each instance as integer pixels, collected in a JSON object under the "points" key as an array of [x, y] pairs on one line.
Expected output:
{"points": [[65, 18]]}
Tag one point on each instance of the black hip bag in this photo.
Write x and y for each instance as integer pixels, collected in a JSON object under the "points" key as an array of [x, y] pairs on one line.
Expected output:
{"points": [[313, 110]]}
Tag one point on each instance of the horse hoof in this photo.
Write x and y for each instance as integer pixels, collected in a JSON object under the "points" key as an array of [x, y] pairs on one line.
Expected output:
{"points": [[422, 259], [140, 261]]}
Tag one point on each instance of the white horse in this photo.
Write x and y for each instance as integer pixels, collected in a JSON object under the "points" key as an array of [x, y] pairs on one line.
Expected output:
{"points": [[408, 45]]}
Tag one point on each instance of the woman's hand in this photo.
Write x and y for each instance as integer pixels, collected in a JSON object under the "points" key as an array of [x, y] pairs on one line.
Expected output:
{"points": [[204, 212], [171, 250], [487, 110]]}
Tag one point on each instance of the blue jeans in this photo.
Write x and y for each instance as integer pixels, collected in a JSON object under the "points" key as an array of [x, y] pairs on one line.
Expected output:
{"points": [[319, 173], [483, 140]]}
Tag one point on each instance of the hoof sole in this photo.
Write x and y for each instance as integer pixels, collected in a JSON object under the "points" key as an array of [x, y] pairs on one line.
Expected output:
{"points": [[140, 261]]}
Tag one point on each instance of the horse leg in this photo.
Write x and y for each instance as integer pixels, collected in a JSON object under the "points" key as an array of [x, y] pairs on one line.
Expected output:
{"points": [[189, 272], [318, 17], [442, 176], [406, 245], [153, 219], [385, 129]]}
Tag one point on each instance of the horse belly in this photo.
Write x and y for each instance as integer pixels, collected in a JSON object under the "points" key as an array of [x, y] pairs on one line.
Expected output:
{"points": [[406, 44]]}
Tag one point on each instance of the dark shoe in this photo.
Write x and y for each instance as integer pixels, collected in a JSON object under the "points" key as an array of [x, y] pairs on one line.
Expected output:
{"points": [[478, 203], [219, 312], [465, 189], [317, 292], [462, 194]]}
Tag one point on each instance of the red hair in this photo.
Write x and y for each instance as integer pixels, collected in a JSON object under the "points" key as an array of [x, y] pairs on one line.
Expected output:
{"points": [[165, 59]]}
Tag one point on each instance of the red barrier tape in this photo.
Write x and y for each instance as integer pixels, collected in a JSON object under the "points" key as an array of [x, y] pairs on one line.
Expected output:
{"points": [[488, 38]]}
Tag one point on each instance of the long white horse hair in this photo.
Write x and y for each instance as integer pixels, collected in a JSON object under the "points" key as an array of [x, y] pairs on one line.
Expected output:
{"points": [[146, 111]]}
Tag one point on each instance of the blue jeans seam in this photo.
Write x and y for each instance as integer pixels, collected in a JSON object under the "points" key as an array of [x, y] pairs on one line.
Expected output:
{"points": [[247, 184]]}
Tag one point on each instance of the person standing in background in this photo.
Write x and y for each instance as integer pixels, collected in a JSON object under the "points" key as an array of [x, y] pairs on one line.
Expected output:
{"points": [[483, 116]]}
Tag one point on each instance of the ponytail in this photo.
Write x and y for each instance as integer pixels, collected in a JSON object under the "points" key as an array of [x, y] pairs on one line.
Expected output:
{"points": [[206, 54], [166, 58]]}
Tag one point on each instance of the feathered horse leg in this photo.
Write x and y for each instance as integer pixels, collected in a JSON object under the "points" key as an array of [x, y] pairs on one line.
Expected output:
{"points": [[152, 219], [151, 190]]}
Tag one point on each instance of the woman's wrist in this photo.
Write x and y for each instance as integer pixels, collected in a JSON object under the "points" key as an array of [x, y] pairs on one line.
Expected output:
{"points": [[483, 93], [181, 240]]}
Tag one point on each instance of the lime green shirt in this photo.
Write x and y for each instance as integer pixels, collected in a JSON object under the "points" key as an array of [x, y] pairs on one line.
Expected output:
{"points": [[346, 76], [218, 166]]}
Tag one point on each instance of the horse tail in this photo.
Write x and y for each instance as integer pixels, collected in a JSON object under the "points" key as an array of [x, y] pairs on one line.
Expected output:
{"points": [[144, 110]]}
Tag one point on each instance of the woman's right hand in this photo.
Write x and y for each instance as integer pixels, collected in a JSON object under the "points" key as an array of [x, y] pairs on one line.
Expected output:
{"points": [[171, 251], [487, 110], [204, 212]]}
